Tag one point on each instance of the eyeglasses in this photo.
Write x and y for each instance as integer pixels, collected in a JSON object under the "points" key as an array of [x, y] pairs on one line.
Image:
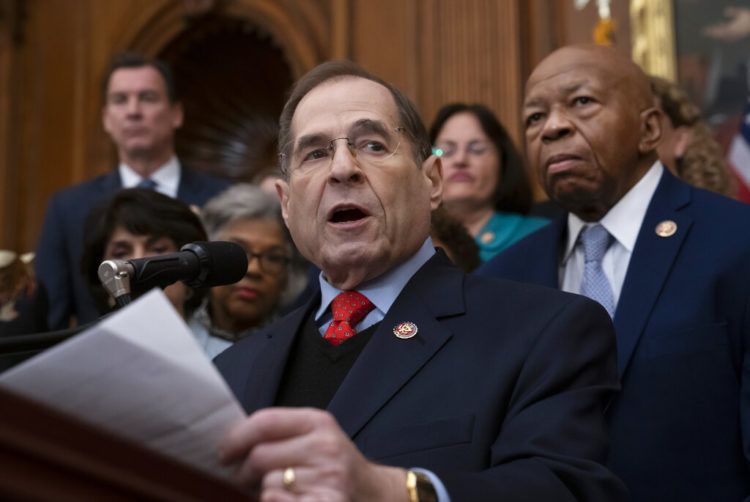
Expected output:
{"points": [[371, 145], [271, 262], [473, 148]]}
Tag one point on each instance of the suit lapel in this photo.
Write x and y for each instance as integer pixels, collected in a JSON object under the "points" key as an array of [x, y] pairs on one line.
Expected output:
{"points": [[185, 189], [111, 182], [387, 363], [189, 189], [546, 269], [650, 265], [265, 377]]}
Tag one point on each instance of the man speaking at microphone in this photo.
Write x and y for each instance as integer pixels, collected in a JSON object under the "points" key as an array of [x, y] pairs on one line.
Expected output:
{"points": [[405, 379]]}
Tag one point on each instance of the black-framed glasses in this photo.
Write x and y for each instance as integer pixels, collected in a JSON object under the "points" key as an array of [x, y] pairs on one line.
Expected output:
{"points": [[270, 262]]}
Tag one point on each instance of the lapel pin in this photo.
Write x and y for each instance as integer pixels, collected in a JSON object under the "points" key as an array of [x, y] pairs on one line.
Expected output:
{"points": [[405, 330], [487, 237], [666, 228]]}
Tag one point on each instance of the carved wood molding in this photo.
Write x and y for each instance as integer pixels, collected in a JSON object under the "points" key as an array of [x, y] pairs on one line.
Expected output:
{"points": [[298, 28], [293, 32]]}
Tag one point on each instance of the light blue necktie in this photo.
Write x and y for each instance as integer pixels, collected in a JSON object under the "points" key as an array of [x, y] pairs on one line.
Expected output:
{"points": [[595, 241], [147, 183]]}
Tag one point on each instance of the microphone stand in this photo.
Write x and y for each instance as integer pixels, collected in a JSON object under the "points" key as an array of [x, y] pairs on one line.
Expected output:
{"points": [[115, 277], [17, 348]]}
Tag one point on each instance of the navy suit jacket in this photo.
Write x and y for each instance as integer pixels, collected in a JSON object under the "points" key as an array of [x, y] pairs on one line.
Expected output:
{"points": [[680, 427], [58, 256], [500, 393]]}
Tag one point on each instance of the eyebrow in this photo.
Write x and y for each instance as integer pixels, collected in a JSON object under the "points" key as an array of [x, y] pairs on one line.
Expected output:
{"points": [[564, 90], [368, 125], [310, 140], [245, 242], [361, 126], [155, 239], [139, 91]]}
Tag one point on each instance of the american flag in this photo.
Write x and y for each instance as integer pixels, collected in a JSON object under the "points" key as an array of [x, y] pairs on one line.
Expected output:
{"points": [[739, 156]]}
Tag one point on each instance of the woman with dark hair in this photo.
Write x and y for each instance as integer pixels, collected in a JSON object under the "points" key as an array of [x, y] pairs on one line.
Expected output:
{"points": [[136, 223], [486, 186]]}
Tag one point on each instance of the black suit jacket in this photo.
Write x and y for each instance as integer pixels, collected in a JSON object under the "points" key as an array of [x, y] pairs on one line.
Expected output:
{"points": [[58, 256], [500, 393], [681, 425]]}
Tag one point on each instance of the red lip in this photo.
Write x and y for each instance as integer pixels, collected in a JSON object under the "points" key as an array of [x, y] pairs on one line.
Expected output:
{"points": [[246, 293], [461, 176], [561, 163]]}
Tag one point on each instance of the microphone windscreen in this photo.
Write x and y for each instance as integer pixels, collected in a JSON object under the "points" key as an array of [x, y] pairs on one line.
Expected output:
{"points": [[227, 262]]}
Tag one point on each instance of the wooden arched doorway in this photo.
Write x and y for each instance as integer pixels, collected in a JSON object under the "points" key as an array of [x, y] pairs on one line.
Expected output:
{"points": [[232, 79], [234, 62]]}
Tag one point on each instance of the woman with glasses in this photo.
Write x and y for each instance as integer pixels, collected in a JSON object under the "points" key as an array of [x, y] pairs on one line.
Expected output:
{"points": [[486, 186], [250, 217]]}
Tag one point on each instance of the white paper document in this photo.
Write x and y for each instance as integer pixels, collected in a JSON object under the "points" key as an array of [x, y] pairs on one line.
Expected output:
{"points": [[141, 374]]}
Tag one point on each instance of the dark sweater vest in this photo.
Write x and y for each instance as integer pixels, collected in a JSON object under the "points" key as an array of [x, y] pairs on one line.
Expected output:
{"points": [[315, 368]]}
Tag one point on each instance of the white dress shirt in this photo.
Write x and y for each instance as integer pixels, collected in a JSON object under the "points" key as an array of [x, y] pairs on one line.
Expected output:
{"points": [[623, 222], [167, 177]]}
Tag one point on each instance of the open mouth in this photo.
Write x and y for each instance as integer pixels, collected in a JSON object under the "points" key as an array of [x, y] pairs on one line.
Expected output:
{"points": [[346, 214]]}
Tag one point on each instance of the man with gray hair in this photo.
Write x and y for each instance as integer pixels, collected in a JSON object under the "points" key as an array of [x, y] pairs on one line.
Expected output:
{"points": [[404, 379]]}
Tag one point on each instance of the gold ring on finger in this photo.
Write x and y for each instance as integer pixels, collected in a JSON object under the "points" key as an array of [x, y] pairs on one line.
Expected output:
{"points": [[288, 478]]}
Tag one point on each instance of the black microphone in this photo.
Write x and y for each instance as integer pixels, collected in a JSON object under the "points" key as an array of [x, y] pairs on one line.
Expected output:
{"points": [[198, 264]]}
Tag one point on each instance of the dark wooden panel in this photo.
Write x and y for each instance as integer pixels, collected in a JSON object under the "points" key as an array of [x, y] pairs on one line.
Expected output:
{"points": [[384, 41], [47, 455], [477, 56], [11, 26], [52, 99]]}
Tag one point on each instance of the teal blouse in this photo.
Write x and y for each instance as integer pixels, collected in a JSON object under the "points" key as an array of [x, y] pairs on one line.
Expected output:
{"points": [[503, 230]]}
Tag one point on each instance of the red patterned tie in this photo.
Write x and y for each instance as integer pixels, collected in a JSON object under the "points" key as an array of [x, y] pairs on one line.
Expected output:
{"points": [[349, 308]]}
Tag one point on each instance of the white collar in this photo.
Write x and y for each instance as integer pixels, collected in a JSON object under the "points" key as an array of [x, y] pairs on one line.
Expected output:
{"points": [[624, 220], [167, 176]]}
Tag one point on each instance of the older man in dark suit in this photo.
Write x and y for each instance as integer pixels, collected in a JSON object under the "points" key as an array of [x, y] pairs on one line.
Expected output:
{"points": [[671, 263], [141, 114], [435, 385]]}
